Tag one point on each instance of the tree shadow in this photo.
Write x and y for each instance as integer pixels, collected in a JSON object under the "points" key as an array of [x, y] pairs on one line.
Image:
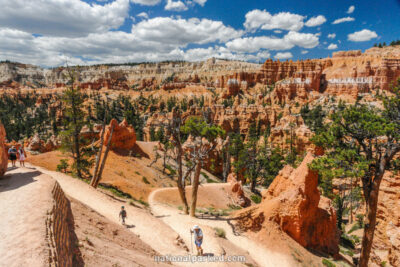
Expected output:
{"points": [[16, 180], [228, 220]]}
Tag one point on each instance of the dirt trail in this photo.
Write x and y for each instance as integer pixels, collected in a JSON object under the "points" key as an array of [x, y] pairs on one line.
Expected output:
{"points": [[25, 198], [181, 224], [150, 229]]}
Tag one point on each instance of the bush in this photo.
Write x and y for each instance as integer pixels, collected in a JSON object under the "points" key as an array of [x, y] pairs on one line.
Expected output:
{"points": [[144, 179], [220, 232], [255, 198], [328, 263], [354, 228], [63, 166]]}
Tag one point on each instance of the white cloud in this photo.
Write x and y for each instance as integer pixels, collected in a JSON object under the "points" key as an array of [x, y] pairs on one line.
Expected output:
{"points": [[315, 21], [351, 9], [284, 20], [200, 2], [303, 52], [143, 15], [146, 2], [361, 36], [305, 40], [253, 44], [182, 32], [332, 35], [332, 47], [341, 20], [277, 31], [285, 55], [175, 6], [62, 18]]}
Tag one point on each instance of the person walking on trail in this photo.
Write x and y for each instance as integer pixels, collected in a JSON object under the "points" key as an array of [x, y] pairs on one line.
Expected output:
{"points": [[198, 239], [122, 214], [22, 156], [12, 154]]}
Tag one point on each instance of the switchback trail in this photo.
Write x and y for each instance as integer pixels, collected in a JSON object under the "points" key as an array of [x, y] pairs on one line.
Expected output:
{"points": [[212, 244]]}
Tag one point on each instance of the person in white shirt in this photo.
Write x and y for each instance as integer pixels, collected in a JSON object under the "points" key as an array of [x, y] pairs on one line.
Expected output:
{"points": [[198, 239]]}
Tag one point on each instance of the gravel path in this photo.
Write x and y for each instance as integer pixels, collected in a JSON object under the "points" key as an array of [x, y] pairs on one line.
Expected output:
{"points": [[25, 198]]}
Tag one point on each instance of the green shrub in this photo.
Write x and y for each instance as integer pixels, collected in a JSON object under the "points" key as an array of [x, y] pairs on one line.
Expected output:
{"points": [[328, 263], [355, 227], [220, 232], [63, 166], [144, 179], [255, 198]]}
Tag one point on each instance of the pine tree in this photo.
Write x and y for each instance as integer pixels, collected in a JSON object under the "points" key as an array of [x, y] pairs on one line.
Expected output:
{"points": [[74, 120]]}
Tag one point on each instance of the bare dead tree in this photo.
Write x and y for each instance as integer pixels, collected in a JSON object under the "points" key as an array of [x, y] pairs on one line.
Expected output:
{"points": [[96, 168], [103, 163]]}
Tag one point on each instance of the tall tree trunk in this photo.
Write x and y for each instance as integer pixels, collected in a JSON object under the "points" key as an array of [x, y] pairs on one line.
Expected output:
{"points": [[253, 185], [369, 228], [195, 187], [96, 168], [77, 153], [103, 163], [226, 165], [180, 182]]}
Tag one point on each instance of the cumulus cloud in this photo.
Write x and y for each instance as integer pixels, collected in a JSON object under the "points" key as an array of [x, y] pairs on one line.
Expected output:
{"points": [[200, 2], [332, 47], [303, 52], [291, 39], [62, 18], [175, 6], [305, 40], [143, 15], [257, 19], [182, 32], [332, 35], [341, 20], [253, 44], [146, 2], [362, 36], [315, 21], [284, 55], [351, 9]]}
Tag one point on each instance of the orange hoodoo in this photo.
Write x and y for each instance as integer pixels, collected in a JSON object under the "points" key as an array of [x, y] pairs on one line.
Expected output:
{"points": [[124, 136]]}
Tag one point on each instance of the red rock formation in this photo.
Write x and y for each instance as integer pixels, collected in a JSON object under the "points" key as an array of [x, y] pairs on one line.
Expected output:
{"points": [[294, 203], [3, 151], [124, 136], [237, 191], [386, 244]]}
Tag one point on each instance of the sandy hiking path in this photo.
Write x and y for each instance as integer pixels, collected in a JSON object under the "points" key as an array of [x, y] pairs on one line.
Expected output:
{"points": [[25, 198], [154, 232], [234, 244]]}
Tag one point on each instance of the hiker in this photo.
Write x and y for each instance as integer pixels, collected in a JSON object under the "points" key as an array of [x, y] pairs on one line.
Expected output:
{"points": [[12, 154], [122, 214], [198, 239], [22, 156]]}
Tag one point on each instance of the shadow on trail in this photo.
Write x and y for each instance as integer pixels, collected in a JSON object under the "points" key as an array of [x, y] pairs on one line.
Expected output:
{"points": [[230, 221], [12, 181]]}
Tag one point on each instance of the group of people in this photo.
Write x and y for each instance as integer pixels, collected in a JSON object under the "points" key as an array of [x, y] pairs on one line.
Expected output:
{"points": [[14, 154]]}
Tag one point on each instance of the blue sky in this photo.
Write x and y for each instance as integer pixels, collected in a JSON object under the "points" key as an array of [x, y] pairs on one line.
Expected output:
{"points": [[49, 32]]}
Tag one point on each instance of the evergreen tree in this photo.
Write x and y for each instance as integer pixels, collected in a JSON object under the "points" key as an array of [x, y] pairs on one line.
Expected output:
{"points": [[74, 120], [361, 142]]}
